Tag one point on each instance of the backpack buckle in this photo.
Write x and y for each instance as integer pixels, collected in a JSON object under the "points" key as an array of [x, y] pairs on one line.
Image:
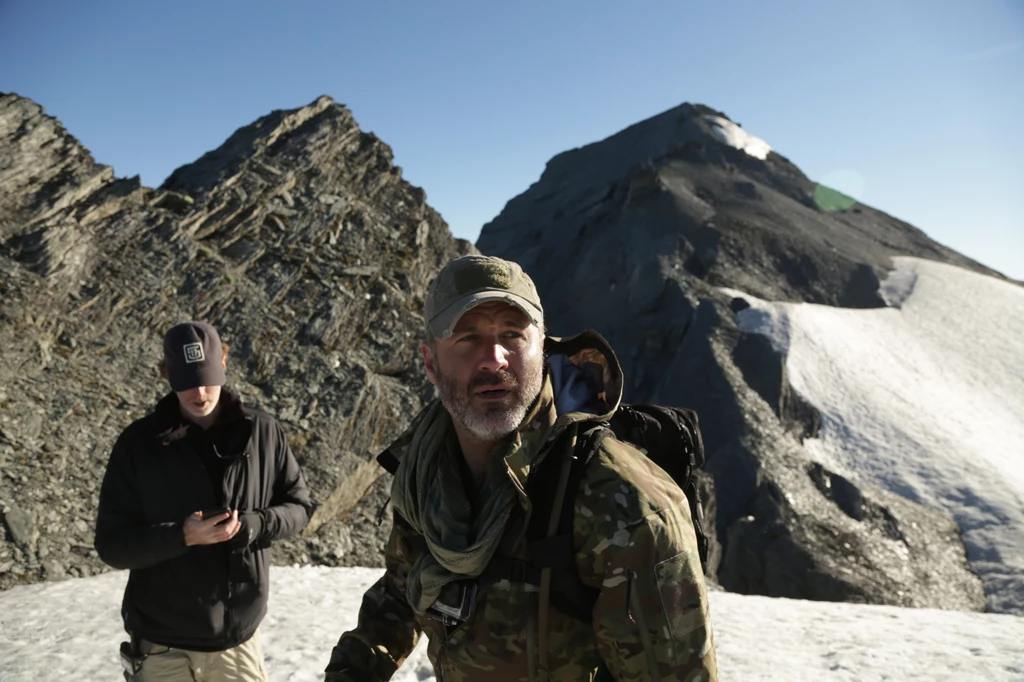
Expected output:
{"points": [[517, 574], [461, 608]]}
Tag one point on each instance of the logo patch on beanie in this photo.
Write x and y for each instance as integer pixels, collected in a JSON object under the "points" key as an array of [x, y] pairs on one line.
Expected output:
{"points": [[194, 353]]}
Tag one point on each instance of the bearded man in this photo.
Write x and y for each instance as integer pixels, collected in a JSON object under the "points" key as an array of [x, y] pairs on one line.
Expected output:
{"points": [[458, 560]]}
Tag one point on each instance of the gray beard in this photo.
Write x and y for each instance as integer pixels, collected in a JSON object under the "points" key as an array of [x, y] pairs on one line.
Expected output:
{"points": [[496, 421]]}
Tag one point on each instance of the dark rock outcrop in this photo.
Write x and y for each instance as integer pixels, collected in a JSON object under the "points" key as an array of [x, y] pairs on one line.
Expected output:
{"points": [[649, 237], [297, 238]]}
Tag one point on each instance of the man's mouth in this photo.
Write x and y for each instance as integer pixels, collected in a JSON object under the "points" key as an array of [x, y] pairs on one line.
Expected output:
{"points": [[493, 385], [495, 393]]}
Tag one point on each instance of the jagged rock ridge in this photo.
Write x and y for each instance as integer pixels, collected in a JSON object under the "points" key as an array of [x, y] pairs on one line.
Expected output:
{"points": [[297, 238]]}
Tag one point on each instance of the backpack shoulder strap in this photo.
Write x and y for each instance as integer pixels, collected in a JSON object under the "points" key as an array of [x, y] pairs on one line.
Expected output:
{"points": [[550, 532], [554, 552], [557, 536]]}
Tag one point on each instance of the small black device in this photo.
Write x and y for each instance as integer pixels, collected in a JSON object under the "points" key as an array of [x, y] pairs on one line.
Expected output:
{"points": [[217, 511]]}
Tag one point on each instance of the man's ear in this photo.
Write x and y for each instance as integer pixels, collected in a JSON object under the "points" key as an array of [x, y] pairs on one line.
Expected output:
{"points": [[224, 361], [428, 362]]}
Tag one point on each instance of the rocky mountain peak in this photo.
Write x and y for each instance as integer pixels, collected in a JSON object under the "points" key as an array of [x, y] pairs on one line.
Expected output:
{"points": [[297, 238], [653, 236], [706, 199], [682, 127], [303, 135], [692, 131], [62, 170], [55, 195]]}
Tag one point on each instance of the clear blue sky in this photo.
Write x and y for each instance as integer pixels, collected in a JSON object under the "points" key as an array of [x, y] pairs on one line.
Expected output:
{"points": [[921, 101]]}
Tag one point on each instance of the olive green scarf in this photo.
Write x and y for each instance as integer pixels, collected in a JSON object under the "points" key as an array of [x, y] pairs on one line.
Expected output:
{"points": [[428, 492]]}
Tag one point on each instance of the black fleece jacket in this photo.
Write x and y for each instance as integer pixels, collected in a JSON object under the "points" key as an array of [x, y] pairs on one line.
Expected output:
{"points": [[210, 597]]}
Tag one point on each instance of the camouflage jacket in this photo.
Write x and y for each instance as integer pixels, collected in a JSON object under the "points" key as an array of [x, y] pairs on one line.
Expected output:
{"points": [[633, 540]]}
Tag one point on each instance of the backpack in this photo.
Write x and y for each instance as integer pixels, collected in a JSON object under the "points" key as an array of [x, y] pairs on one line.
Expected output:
{"points": [[669, 436]]}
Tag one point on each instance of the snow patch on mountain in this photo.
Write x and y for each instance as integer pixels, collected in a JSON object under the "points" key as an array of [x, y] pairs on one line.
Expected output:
{"points": [[926, 400], [733, 135]]}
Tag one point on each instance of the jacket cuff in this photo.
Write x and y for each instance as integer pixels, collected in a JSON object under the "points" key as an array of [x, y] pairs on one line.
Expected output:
{"points": [[252, 528], [172, 539]]}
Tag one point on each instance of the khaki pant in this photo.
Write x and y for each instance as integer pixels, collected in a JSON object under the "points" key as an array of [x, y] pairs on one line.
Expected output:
{"points": [[243, 663]]}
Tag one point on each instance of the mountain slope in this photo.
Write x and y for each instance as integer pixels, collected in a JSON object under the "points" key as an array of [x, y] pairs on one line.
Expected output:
{"points": [[635, 236], [934, 415]]}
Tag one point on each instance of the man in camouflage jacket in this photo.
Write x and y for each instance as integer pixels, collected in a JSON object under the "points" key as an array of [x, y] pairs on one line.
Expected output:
{"points": [[460, 505]]}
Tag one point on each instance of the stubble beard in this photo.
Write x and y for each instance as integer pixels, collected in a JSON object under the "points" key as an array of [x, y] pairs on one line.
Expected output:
{"points": [[491, 422]]}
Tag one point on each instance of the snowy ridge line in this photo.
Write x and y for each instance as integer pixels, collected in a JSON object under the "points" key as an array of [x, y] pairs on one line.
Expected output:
{"points": [[70, 631]]}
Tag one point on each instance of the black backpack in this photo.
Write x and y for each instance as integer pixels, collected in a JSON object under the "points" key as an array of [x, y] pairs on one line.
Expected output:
{"points": [[669, 436]]}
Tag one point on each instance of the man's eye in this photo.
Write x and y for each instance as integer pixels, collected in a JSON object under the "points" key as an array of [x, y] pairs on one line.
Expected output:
{"points": [[467, 338]]}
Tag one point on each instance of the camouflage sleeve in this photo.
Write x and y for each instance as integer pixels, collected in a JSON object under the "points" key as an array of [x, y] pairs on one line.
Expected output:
{"points": [[386, 632], [636, 544]]}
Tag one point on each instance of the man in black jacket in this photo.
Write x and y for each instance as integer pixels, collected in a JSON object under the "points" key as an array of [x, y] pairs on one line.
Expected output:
{"points": [[193, 495]]}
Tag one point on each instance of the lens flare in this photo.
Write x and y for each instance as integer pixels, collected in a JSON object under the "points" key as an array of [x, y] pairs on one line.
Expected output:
{"points": [[839, 190]]}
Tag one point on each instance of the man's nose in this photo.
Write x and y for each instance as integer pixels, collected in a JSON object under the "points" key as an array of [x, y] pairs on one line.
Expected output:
{"points": [[495, 357], [201, 392]]}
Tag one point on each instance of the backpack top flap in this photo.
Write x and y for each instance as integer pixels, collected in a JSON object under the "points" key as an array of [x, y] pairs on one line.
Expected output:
{"points": [[669, 436]]}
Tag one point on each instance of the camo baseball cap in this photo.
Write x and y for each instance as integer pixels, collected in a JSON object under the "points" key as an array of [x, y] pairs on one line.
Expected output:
{"points": [[193, 356], [471, 280]]}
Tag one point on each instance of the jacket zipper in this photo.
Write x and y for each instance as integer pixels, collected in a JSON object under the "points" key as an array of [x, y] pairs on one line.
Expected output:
{"points": [[229, 625]]}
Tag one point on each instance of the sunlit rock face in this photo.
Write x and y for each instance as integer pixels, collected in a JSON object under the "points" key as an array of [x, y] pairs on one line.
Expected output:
{"points": [[297, 238]]}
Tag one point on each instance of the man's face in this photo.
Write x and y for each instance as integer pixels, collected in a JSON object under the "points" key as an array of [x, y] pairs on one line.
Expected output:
{"points": [[199, 402], [490, 370]]}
